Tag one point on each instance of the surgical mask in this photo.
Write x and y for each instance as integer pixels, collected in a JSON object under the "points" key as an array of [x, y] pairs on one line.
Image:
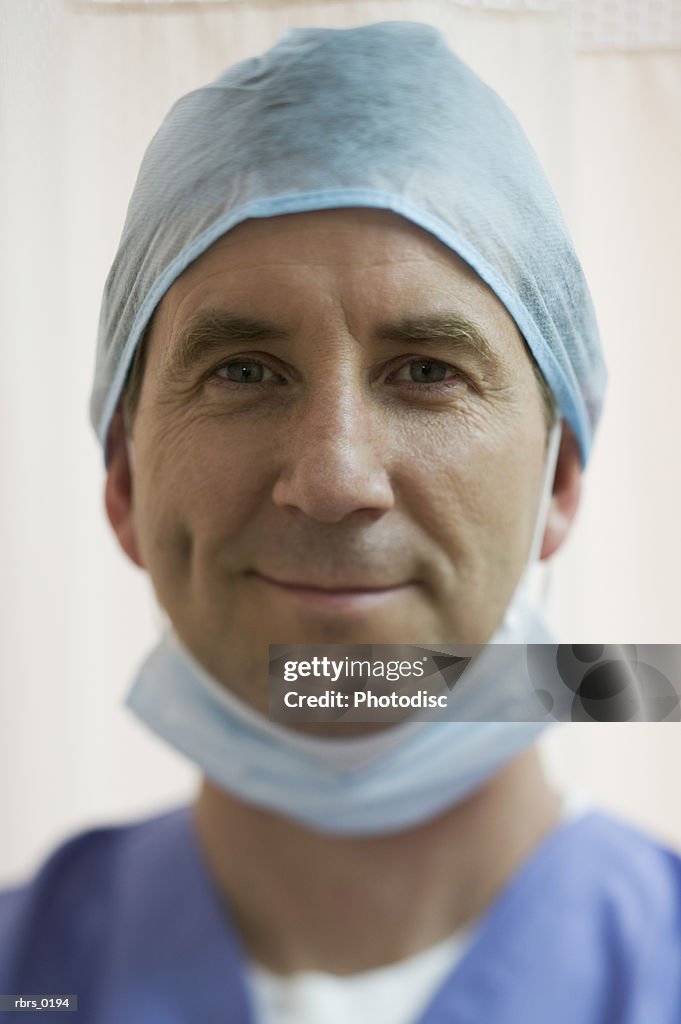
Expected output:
{"points": [[370, 785]]}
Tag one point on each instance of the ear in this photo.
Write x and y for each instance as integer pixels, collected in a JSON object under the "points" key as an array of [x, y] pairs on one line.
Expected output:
{"points": [[567, 488], [118, 491]]}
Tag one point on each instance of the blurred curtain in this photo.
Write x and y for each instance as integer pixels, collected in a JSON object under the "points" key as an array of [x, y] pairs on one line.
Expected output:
{"points": [[619, 578], [83, 85]]}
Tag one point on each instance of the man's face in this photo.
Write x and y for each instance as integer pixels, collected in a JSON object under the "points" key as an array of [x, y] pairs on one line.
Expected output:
{"points": [[340, 439]]}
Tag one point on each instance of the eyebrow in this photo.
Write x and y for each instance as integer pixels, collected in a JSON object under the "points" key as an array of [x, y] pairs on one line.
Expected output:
{"points": [[210, 332], [458, 332]]}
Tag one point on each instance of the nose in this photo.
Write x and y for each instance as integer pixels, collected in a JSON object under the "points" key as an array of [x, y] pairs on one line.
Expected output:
{"points": [[334, 458]]}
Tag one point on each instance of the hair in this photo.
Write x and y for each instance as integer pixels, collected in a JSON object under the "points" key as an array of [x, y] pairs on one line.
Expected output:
{"points": [[133, 385]]}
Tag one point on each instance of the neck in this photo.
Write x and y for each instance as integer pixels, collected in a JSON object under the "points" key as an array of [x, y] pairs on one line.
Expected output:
{"points": [[306, 901]]}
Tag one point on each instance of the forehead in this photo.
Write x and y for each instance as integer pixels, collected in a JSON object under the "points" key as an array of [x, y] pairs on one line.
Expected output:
{"points": [[353, 238], [367, 266]]}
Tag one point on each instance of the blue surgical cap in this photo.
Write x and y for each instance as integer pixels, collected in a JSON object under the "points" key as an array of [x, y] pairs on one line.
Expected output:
{"points": [[381, 116]]}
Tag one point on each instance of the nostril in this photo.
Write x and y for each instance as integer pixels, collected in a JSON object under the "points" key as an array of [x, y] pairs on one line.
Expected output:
{"points": [[329, 492]]}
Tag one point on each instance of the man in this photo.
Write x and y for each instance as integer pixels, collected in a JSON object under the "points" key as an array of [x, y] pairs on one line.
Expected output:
{"points": [[348, 376]]}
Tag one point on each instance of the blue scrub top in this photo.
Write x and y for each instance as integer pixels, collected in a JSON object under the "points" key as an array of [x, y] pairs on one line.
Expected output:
{"points": [[129, 919]]}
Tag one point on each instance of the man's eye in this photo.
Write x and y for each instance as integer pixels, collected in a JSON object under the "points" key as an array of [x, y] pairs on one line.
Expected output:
{"points": [[244, 371], [424, 371]]}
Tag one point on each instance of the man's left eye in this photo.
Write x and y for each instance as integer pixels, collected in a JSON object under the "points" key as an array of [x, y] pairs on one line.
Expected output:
{"points": [[244, 371], [425, 371]]}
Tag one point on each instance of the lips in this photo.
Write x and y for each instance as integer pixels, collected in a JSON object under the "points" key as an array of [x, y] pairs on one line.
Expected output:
{"points": [[346, 596], [336, 587]]}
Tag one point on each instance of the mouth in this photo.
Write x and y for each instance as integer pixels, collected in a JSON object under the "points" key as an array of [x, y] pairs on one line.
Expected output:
{"points": [[348, 595]]}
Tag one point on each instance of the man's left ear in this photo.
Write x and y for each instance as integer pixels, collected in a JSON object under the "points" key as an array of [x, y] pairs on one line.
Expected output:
{"points": [[567, 488]]}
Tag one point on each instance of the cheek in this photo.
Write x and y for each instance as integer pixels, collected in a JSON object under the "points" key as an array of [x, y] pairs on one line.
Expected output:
{"points": [[474, 489], [196, 485]]}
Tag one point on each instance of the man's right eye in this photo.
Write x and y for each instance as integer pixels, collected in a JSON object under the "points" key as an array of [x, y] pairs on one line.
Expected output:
{"points": [[244, 371]]}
